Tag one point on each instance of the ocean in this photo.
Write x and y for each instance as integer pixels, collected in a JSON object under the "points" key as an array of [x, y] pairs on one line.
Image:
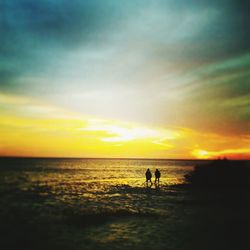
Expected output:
{"points": [[103, 204]]}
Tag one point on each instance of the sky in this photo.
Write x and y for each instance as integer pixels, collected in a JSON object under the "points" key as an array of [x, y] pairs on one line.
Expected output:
{"points": [[134, 78]]}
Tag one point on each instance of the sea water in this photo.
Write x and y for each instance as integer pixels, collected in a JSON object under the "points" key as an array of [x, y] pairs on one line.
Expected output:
{"points": [[99, 204], [103, 183]]}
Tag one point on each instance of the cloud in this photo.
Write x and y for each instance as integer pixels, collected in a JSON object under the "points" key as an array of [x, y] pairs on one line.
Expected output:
{"points": [[162, 63]]}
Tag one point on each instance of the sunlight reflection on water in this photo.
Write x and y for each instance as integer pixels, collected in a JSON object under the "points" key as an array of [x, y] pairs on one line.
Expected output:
{"points": [[96, 184], [103, 204]]}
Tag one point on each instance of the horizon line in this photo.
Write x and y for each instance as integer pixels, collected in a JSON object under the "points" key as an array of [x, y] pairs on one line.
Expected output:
{"points": [[118, 158]]}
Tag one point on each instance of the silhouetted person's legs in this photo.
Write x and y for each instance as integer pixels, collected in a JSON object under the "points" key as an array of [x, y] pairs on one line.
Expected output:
{"points": [[147, 182]]}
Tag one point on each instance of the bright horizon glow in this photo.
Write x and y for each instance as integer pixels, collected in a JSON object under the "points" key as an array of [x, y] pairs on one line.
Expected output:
{"points": [[203, 154], [48, 131]]}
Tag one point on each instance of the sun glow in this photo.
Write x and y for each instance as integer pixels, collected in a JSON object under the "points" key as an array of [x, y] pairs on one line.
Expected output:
{"points": [[33, 131], [36, 128], [201, 154], [229, 153], [124, 132]]}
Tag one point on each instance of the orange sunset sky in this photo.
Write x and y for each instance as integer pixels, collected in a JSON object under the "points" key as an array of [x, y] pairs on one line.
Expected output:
{"points": [[151, 79]]}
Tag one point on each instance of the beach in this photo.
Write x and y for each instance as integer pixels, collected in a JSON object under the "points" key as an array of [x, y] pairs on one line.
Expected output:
{"points": [[106, 204]]}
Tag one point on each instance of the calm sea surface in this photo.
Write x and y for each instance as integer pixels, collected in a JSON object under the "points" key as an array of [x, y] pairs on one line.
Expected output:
{"points": [[94, 182], [87, 179], [96, 204]]}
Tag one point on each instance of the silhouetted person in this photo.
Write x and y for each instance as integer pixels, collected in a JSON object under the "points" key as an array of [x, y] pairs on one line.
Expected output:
{"points": [[157, 175], [148, 176]]}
